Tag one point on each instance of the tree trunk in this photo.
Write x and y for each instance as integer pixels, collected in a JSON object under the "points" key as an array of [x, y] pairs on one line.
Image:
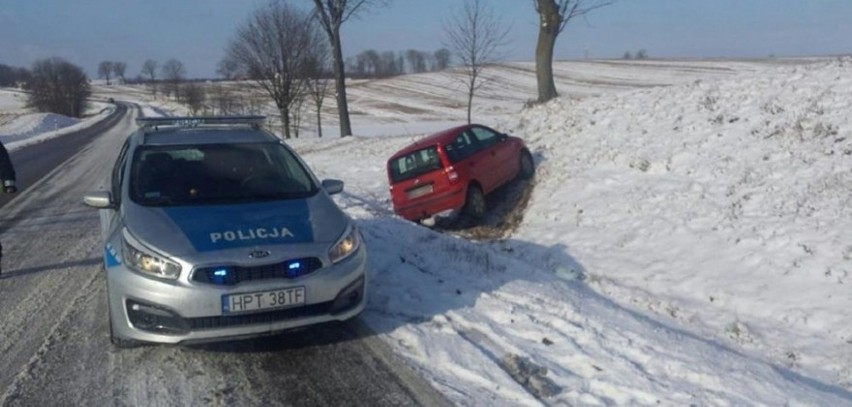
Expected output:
{"points": [[319, 120], [469, 102], [547, 32], [285, 121], [340, 85]]}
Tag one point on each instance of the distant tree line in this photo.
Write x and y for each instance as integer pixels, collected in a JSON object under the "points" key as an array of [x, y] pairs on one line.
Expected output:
{"points": [[111, 69], [11, 76], [375, 64], [641, 54]]}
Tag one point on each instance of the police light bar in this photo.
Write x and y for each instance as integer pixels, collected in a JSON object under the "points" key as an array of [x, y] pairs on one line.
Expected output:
{"points": [[196, 121]]}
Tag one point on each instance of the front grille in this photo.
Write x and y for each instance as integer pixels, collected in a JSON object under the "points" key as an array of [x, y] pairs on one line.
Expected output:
{"points": [[231, 275], [202, 323]]}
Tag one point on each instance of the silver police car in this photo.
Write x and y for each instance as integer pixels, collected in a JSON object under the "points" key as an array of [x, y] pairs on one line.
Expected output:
{"points": [[215, 229]]}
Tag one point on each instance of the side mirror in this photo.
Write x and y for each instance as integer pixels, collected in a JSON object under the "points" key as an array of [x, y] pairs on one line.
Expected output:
{"points": [[99, 200], [332, 186]]}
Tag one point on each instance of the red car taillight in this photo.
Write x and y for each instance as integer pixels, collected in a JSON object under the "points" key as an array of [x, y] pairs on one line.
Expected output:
{"points": [[452, 175]]}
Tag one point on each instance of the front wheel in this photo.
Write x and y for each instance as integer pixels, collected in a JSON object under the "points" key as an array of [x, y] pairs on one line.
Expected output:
{"points": [[527, 168], [474, 206]]}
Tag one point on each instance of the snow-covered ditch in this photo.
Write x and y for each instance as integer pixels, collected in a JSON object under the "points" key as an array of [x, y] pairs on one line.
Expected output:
{"points": [[683, 245]]}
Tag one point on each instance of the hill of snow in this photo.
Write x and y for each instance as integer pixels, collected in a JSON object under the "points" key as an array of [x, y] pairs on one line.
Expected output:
{"points": [[685, 245], [724, 206]]}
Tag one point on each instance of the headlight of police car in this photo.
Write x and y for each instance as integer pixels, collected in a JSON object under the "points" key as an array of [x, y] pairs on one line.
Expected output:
{"points": [[141, 261], [346, 246]]}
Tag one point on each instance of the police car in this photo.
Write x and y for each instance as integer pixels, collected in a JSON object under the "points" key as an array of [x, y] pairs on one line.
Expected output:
{"points": [[215, 229]]}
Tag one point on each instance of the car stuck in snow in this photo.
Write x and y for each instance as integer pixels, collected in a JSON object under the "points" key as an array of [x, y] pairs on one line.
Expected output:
{"points": [[450, 172]]}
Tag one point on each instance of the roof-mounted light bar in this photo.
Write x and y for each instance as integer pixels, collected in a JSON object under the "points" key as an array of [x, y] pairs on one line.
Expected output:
{"points": [[198, 121]]}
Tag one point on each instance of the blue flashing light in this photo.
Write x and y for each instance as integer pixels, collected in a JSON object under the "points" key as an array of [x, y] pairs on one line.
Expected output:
{"points": [[220, 273], [295, 265]]}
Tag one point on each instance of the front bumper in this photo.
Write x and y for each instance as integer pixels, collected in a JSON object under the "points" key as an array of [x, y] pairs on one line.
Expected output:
{"points": [[149, 310]]}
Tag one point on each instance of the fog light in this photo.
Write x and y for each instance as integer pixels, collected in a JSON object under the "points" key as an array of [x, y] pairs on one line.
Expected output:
{"points": [[155, 319], [349, 297]]}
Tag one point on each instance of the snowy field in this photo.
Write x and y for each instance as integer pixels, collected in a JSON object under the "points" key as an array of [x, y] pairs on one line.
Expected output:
{"points": [[687, 244]]}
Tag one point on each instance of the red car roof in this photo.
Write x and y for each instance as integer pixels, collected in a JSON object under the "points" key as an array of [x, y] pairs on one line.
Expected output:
{"points": [[441, 137]]}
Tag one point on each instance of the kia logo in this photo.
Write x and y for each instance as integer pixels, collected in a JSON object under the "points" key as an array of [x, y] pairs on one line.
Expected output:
{"points": [[258, 254]]}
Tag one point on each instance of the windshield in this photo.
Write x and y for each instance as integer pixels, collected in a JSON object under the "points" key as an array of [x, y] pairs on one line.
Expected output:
{"points": [[217, 174], [414, 164]]}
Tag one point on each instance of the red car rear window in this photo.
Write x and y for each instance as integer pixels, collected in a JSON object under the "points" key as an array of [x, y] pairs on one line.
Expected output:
{"points": [[414, 164]]}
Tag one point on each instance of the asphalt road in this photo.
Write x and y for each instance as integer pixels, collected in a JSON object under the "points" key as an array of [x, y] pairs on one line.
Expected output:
{"points": [[35, 161], [54, 344]]}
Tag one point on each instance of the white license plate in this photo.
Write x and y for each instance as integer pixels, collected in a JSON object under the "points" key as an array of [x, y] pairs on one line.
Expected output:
{"points": [[420, 191], [263, 300]]}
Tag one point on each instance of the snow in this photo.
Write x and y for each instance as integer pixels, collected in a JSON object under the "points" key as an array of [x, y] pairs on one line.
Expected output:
{"points": [[708, 224], [687, 244], [20, 127]]}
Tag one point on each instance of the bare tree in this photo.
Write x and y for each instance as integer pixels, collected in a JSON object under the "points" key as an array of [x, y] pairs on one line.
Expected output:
{"points": [[475, 36], [173, 74], [331, 15], [443, 57], [554, 15], [193, 96], [58, 86], [118, 69], [316, 72], [105, 70], [12, 76], [272, 47], [149, 70], [223, 100], [296, 110], [228, 68], [416, 60]]}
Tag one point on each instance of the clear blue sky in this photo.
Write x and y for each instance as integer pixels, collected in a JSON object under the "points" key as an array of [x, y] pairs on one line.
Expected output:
{"points": [[196, 31]]}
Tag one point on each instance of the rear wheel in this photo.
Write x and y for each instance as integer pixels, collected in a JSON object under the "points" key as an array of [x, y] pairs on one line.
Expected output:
{"points": [[527, 169], [474, 206]]}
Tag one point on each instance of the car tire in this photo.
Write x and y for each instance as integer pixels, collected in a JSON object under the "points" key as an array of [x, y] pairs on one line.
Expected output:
{"points": [[527, 167], [474, 206]]}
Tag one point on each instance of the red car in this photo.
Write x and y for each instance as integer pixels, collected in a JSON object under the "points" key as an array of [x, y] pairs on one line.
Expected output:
{"points": [[452, 171]]}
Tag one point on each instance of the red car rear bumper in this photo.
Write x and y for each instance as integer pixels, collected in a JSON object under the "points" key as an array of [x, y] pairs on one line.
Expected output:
{"points": [[427, 206]]}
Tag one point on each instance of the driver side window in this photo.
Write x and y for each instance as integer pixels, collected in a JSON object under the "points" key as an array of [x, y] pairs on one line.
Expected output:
{"points": [[486, 137]]}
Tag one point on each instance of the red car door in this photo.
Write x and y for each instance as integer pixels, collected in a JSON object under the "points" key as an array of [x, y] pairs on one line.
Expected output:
{"points": [[477, 165], [498, 156]]}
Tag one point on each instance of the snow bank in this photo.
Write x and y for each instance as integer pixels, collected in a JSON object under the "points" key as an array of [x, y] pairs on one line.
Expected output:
{"points": [[634, 194], [726, 206], [32, 124], [37, 127]]}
